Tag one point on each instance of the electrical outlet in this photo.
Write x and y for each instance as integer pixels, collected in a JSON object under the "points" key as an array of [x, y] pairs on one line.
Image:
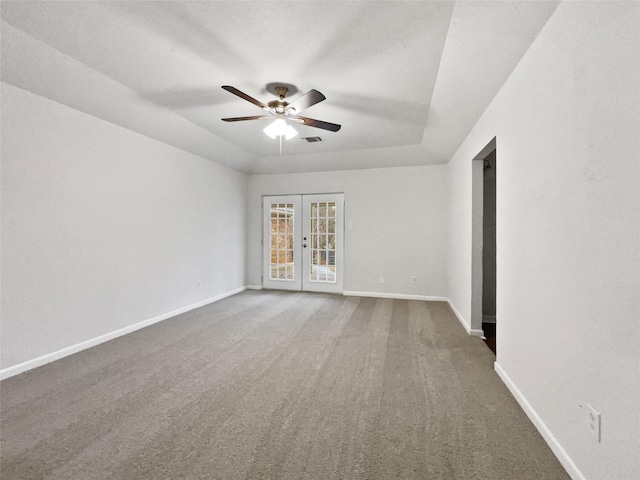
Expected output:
{"points": [[594, 421], [350, 225], [198, 283], [414, 279], [381, 280]]}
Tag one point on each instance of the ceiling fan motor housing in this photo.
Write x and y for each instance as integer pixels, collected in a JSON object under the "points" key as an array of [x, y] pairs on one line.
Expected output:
{"points": [[278, 105]]}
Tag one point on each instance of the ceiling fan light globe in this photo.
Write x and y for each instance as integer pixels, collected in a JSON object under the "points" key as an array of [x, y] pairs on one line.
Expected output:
{"points": [[274, 129], [290, 132], [280, 128]]}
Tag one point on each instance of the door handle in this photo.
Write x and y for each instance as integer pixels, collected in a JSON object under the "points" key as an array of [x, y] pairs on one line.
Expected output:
{"points": [[304, 245]]}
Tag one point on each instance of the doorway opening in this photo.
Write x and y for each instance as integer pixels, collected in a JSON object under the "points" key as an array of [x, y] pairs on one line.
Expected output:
{"points": [[303, 242], [484, 244]]}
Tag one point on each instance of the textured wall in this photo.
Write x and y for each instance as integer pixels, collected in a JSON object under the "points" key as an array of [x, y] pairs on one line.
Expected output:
{"points": [[397, 218], [103, 228], [568, 266]]}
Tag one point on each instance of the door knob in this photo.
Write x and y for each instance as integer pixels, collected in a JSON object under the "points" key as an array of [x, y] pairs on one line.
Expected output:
{"points": [[304, 245]]}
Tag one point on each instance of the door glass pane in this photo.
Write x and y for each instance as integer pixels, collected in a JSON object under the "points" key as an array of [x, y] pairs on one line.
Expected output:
{"points": [[281, 242], [322, 253]]}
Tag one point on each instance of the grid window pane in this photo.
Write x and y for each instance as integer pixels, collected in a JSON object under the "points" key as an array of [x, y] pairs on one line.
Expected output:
{"points": [[281, 241], [322, 253]]}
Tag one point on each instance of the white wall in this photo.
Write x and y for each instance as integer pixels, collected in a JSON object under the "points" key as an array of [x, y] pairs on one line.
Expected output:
{"points": [[103, 227], [568, 211], [398, 225]]}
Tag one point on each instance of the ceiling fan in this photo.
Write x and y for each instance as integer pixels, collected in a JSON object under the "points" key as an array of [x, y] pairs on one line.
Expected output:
{"points": [[282, 110]]}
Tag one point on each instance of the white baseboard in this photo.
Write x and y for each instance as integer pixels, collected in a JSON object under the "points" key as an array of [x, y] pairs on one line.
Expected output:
{"points": [[253, 287], [397, 296], [401, 296], [553, 443], [50, 357], [471, 331], [488, 319]]}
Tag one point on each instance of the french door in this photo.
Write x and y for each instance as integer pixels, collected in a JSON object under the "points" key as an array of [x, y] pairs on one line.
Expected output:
{"points": [[303, 242]]}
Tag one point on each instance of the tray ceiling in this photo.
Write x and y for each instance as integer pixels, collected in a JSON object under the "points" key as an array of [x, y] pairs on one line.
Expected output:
{"points": [[406, 80]]}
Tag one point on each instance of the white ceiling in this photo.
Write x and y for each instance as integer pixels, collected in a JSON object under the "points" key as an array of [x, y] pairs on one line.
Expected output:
{"points": [[406, 80]]}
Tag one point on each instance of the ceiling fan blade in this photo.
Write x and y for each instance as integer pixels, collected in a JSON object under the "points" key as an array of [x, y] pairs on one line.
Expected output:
{"points": [[334, 127], [307, 100], [240, 119], [244, 96]]}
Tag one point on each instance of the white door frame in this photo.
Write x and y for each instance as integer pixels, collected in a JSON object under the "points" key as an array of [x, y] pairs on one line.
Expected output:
{"points": [[477, 213], [297, 274]]}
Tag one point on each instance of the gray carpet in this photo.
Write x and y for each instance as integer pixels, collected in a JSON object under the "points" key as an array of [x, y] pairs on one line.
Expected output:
{"points": [[276, 385]]}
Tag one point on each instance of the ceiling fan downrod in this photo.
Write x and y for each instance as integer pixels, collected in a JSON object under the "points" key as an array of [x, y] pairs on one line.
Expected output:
{"points": [[282, 92]]}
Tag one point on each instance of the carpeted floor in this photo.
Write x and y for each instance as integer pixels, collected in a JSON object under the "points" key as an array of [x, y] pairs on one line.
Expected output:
{"points": [[275, 385]]}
